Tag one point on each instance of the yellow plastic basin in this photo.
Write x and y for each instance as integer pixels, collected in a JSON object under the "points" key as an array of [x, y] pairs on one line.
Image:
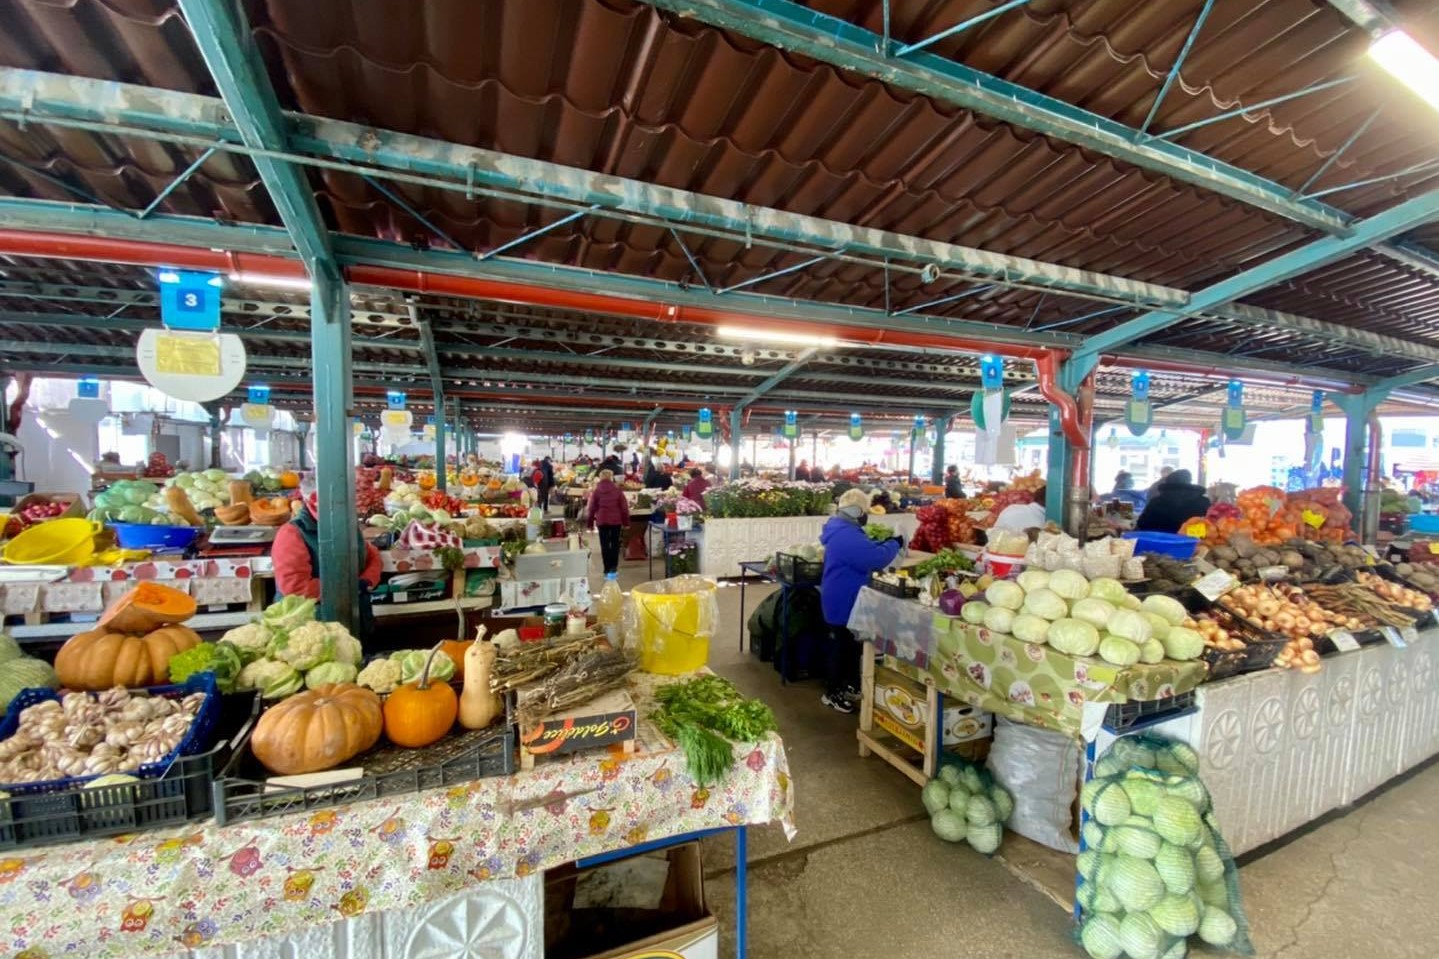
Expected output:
{"points": [[57, 542]]}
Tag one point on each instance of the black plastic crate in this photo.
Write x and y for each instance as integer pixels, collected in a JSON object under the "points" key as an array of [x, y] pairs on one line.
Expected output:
{"points": [[793, 570], [898, 591], [184, 793], [1122, 716], [241, 793]]}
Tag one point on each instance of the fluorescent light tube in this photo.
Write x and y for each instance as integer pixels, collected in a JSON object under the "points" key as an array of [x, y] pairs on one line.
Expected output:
{"points": [[775, 336], [1409, 63]]}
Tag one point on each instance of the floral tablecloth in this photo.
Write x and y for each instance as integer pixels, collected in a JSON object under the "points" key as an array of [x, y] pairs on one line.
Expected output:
{"points": [[202, 885], [1024, 682]]}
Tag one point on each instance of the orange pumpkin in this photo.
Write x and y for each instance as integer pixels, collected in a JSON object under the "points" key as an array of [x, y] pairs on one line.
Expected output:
{"points": [[426, 480], [455, 649], [317, 729], [289, 479], [419, 713], [148, 606], [102, 658]]}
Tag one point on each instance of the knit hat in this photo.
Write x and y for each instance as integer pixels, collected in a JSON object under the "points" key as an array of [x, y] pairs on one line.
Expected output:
{"points": [[854, 501]]}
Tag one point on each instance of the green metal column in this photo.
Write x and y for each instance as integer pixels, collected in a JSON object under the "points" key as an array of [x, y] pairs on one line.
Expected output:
{"points": [[736, 437], [1361, 484], [217, 432], [440, 471], [792, 444], [334, 474], [937, 464], [302, 433]]}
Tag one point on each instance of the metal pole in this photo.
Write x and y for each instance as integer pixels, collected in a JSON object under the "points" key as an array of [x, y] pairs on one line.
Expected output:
{"points": [[814, 452], [792, 444], [217, 431], [913, 437], [339, 558], [302, 432], [936, 466], [736, 438]]}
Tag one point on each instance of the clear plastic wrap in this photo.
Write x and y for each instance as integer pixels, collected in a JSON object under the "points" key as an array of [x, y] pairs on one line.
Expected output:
{"points": [[670, 623]]}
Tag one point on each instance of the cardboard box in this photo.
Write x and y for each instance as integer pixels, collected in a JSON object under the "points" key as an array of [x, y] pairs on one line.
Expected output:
{"points": [[606, 720], [519, 593], [901, 709], [641, 907]]}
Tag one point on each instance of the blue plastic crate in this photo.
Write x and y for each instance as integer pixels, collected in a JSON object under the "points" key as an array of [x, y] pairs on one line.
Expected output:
{"points": [[198, 739], [1166, 544], [1424, 523]]}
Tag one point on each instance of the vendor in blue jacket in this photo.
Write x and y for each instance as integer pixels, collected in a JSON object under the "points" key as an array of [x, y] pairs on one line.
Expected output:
{"points": [[849, 557]]}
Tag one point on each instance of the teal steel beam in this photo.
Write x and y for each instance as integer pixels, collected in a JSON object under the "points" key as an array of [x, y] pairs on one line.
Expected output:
{"points": [[48, 217], [354, 148], [1411, 255], [779, 377], [1261, 105], [176, 183], [1412, 378], [1372, 18], [1407, 215], [339, 559], [437, 389], [958, 28], [818, 36], [1178, 62], [1423, 166], [1333, 158], [224, 41]]}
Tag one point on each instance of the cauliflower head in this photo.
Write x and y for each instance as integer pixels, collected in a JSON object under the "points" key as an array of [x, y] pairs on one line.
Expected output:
{"points": [[309, 644], [347, 647], [251, 640], [382, 675], [274, 680]]}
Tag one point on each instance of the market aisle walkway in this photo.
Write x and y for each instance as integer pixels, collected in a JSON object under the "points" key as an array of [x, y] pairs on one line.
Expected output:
{"points": [[866, 877]]}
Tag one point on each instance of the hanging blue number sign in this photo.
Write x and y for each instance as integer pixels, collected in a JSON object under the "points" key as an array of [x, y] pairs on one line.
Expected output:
{"points": [[1138, 412], [856, 428], [706, 426], [1233, 422], [791, 424]]}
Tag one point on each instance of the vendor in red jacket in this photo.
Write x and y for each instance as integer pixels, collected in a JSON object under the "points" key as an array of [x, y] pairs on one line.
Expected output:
{"points": [[296, 557]]}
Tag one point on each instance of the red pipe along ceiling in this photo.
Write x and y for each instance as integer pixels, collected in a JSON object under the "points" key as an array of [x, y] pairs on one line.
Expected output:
{"points": [[100, 249]]}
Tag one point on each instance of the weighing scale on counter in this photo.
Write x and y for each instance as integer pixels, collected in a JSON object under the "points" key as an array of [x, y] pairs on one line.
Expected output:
{"points": [[239, 541]]}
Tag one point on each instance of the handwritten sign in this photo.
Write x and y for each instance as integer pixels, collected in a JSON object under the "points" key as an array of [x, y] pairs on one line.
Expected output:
{"points": [[1215, 584], [1343, 640]]}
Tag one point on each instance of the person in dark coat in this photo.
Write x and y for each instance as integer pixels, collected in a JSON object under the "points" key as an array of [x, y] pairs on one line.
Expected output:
{"points": [[801, 472], [952, 489], [849, 557], [547, 482], [1176, 498], [610, 512], [656, 478]]}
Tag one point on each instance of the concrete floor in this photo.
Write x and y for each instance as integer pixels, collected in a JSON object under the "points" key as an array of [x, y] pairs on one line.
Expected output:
{"points": [[866, 877]]}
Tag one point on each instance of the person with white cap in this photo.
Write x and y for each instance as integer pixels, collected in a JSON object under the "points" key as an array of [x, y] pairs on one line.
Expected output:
{"points": [[850, 557]]}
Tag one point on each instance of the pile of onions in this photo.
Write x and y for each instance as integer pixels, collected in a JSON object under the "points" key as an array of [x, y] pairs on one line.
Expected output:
{"points": [[1217, 636], [1291, 615]]}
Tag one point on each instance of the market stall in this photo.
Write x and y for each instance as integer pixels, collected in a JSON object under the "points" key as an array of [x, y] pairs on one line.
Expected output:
{"points": [[398, 876]]}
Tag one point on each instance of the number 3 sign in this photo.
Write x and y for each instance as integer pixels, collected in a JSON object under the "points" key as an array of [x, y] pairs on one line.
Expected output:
{"points": [[190, 300]]}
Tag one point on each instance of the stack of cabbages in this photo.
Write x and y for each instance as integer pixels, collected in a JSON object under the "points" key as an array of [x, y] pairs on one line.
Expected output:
{"points": [[1154, 870], [1084, 618], [965, 804]]}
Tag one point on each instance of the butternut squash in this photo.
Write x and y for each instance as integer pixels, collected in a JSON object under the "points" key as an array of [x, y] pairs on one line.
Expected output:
{"points": [[479, 705], [270, 512], [179, 502], [241, 492]]}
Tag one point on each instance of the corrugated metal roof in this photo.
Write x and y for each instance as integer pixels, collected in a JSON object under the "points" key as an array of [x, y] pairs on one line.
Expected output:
{"points": [[614, 86]]}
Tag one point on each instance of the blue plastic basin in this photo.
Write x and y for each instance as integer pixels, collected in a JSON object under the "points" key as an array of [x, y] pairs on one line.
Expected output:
{"points": [[1166, 544], [145, 536]]}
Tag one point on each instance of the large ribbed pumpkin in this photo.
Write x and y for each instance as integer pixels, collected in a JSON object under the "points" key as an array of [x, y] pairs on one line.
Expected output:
{"points": [[317, 729], [102, 658]]}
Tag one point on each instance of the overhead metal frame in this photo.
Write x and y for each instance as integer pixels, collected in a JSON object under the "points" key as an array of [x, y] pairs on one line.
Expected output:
{"points": [[226, 44]]}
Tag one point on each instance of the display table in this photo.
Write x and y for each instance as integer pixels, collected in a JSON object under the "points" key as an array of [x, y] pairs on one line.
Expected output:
{"points": [[729, 542], [423, 875]]}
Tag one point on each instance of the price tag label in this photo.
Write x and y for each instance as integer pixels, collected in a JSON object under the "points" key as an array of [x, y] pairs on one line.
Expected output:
{"points": [[1312, 518], [401, 597], [1215, 584], [1395, 639], [1409, 634], [1433, 617], [1373, 551], [1434, 548], [1343, 640], [1197, 530]]}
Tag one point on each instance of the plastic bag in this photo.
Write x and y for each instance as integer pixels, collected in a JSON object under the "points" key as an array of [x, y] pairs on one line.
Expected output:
{"points": [[1037, 767], [672, 621], [1155, 872]]}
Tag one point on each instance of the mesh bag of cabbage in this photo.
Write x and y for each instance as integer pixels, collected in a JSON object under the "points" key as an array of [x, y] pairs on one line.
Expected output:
{"points": [[965, 804], [1154, 869]]}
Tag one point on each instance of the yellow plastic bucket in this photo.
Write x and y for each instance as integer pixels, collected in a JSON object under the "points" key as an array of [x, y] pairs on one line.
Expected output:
{"points": [[57, 542], [674, 620]]}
